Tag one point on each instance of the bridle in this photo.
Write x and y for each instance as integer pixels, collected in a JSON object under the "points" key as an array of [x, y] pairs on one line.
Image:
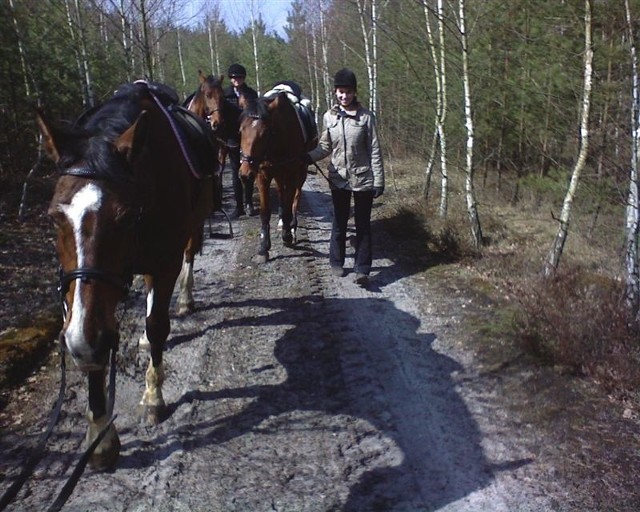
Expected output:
{"points": [[86, 274]]}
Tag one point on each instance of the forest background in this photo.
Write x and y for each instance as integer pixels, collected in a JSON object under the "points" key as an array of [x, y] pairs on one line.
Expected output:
{"points": [[510, 132]]}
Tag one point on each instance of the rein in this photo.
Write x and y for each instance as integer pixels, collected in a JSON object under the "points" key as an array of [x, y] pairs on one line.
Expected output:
{"points": [[38, 452]]}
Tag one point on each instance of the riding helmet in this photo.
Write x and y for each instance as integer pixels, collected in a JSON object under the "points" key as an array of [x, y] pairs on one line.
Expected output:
{"points": [[236, 70], [345, 78]]}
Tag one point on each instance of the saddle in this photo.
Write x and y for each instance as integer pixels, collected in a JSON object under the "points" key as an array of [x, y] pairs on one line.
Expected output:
{"points": [[192, 132], [302, 105]]}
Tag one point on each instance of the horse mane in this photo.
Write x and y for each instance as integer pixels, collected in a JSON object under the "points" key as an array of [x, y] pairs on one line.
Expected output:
{"points": [[255, 109], [91, 137]]}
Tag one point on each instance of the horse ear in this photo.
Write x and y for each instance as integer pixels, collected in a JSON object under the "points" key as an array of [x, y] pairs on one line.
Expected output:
{"points": [[221, 79], [48, 136], [242, 101], [131, 142], [201, 76]]}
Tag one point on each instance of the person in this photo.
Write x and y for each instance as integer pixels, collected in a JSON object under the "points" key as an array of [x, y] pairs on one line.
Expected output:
{"points": [[243, 191], [356, 169]]}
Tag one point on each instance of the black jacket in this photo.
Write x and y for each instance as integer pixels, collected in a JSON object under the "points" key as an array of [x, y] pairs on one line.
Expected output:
{"points": [[245, 90]]}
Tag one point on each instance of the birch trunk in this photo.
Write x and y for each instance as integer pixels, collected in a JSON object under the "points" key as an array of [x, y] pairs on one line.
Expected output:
{"points": [[324, 45], [23, 60], [444, 187], [74, 42], [181, 61], [147, 57], [84, 59], [472, 208], [362, 6], [126, 47], [553, 259], [436, 74], [254, 40], [632, 285], [374, 44]]}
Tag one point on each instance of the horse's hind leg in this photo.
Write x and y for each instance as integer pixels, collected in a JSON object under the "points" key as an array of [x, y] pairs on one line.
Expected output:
{"points": [[106, 454], [152, 406], [185, 303], [287, 197]]}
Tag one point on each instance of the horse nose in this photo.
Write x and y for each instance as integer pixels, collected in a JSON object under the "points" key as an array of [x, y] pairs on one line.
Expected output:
{"points": [[91, 357]]}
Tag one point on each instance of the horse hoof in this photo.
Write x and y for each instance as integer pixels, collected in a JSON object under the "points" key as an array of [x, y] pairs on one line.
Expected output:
{"points": [[185, 309], [260, 258], [287, 239], [143, 342], [151, 414], [105, 457]]}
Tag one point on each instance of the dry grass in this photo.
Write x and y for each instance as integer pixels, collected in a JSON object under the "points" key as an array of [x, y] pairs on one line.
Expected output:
{"points": [[577, 320]]}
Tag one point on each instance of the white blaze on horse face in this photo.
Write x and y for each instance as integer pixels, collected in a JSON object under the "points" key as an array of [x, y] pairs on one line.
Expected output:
{"points": [[87, 199]]}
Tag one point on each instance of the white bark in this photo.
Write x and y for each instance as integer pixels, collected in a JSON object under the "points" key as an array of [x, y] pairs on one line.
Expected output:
{"points": [[553, 259], [181, 60], [254, 40], [23, 60], [472, 209], [444, 188], [633, 203], [84, 58], [362, 7]]}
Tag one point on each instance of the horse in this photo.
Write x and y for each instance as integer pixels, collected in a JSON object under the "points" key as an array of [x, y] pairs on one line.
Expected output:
{"points": [[127, 202], [209, 104], [272, 141]]}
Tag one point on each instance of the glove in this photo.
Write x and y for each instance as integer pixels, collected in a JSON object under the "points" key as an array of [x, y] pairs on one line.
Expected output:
{"points": [[306, 158], [377, 191]]}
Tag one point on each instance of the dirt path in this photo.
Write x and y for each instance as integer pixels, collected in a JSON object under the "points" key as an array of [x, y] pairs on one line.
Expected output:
{"points": [[293, 390]]}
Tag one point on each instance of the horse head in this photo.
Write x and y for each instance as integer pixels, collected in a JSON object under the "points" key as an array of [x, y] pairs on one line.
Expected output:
{"points": [[94, 212], [256, 134], [213, 98]]}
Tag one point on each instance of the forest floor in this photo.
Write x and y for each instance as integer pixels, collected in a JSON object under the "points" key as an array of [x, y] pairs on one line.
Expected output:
{"points": [[291, 389]]}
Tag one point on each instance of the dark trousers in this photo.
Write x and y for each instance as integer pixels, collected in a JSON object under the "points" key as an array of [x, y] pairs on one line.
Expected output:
{"points": [[243, 191], [362, 202]]}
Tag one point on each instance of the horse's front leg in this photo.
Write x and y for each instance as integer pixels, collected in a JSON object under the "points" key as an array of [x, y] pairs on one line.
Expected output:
{"points": [[106, 454], [152, 406], [265, 218]]}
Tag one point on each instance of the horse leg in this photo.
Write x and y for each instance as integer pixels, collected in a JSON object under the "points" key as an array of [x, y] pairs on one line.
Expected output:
{"points": [[185, 303], [294, 214], [265, 218], [202, 208], [107, 452], [152, 406], [286, 198]]}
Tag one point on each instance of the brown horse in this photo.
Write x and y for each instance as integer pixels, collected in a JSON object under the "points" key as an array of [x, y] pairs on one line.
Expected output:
{"points": [[208, 103], [127, 202], [271, 143]]}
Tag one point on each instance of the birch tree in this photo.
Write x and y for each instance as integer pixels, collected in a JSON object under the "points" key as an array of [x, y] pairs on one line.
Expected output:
{"points": [[437, 52], [254, 40], [633, 204], [553, 258], [368, 47], [472, 209]]}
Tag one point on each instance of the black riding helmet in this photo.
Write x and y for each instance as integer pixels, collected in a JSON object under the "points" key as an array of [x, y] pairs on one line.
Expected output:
{"points": [[345, 78], [236, 70]]}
